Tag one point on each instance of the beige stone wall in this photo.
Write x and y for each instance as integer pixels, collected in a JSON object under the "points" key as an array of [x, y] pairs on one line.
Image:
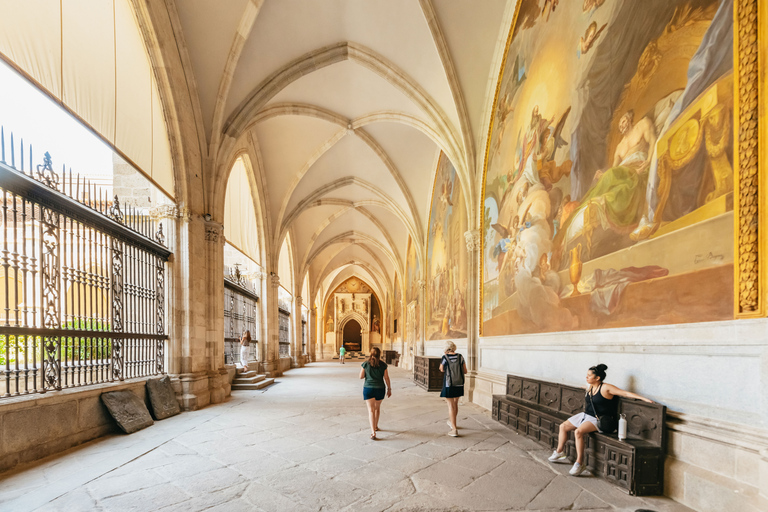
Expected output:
{"points": [[36, 426]]}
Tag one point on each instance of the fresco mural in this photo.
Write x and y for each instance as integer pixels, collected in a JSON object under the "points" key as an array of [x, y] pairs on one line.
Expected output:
{"points": [[446, 307], [608, 190], [398, 308], [412, 273]]}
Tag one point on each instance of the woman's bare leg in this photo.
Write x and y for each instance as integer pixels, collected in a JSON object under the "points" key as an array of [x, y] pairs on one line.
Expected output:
{"points": [[455, 411], [581, 434], [562, 437], [376, 414], [371, 403]]}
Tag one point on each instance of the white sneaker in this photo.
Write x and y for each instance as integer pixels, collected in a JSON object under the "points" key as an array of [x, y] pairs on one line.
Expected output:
{"points": [[558, 458], [577, 469], [454, 433]]}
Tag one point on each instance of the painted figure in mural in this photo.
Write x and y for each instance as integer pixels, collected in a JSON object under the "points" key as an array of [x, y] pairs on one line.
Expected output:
{"points": [[329, 324], [589, 38], [376, 324], [614, 201]]}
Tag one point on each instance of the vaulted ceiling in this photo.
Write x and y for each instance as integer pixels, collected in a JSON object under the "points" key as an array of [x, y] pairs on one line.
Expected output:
{"points": [[346, 105]]}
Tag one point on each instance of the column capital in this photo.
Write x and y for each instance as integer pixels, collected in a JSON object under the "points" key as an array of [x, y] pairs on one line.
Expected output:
{"points": [[472, 237], [274, 280], [260, 275], [298, 301]]}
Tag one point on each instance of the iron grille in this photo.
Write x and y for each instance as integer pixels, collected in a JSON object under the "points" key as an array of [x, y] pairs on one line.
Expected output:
{"points": [[82, 282], [240, 315], [284, 322]]}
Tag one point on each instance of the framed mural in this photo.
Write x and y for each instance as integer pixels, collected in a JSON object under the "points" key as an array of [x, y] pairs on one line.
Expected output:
{"points": [[609, 190], [446, 286], [412, 277]]}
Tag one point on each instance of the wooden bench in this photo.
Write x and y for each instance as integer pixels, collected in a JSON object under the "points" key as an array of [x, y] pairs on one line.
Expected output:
{"points": [[427, 374], [536, 409]]}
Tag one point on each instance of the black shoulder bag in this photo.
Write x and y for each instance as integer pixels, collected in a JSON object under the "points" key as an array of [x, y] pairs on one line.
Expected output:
{"points": [[605, 424]]}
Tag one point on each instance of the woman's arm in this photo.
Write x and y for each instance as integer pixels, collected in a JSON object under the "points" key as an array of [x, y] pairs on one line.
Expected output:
{"points": [[362, 373], [613, 390], [389, 384]]}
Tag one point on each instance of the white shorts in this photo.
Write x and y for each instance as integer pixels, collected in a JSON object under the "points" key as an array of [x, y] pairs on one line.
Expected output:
{"points": [[578, 419]]}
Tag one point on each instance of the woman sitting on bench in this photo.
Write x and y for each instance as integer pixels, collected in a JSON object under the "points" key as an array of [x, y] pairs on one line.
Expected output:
{"points": [[598, 403]]}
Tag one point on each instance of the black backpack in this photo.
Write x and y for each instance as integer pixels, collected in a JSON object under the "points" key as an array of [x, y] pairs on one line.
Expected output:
{"points": [[454, 371]]}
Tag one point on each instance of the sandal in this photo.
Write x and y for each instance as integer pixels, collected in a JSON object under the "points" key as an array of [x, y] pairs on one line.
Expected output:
{"points": [[373, 436]]}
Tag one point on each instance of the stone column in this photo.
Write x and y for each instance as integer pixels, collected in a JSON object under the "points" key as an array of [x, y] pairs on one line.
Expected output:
{"points": [[422, 316], [475, 305], [297, 358], [263, 333], [312, 334], [189, 361], [218, 381], [272, 350]]}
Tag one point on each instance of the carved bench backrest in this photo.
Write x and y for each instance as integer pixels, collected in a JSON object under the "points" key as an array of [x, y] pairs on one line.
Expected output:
{"points": [[644, 421]]}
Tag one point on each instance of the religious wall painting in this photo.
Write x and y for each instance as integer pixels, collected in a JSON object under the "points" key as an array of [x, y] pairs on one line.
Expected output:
{"points": [[608, 190], [412, 277], [446, 284]]}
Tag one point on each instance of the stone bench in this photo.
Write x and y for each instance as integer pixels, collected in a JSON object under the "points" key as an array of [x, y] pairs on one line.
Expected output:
{"points": [[536, 409]]}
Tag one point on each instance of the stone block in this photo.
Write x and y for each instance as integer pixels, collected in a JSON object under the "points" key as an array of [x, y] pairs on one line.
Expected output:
{"points": [[710, 455], [748, 467], [162, 397], [28, 428], [128, 410], [91, 412]]}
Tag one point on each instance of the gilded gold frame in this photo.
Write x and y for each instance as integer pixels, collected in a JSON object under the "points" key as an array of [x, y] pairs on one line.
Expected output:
{"points": [[749, 45], [749, 50]]}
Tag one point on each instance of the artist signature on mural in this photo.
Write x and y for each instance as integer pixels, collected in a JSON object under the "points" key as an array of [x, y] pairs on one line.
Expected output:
{"points": [[709, 257]]}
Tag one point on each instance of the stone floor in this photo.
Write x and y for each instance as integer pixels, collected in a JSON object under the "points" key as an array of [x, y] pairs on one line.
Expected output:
{"points": [[302, 444]]}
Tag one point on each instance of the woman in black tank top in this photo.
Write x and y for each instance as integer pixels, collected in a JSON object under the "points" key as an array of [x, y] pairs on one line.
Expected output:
{"points": [[599, 401]]}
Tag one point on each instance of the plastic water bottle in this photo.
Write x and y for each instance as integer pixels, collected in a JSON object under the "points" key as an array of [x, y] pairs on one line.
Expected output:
{"points": [[622, 427]]}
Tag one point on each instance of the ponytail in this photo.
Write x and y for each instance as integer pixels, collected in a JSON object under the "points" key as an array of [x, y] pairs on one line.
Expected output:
{"points": [[375, 357]]}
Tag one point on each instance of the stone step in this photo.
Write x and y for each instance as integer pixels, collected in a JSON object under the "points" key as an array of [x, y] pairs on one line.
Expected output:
{"points": [[241, 374], [249, 380], [259, 385]]}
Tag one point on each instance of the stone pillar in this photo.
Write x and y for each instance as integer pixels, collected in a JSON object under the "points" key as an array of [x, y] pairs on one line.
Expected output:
{"points": [[475, 306], [312, 334], [422, 316], [272, 350], [192, 360], [263, 333], [218, 381], [297, 357]]}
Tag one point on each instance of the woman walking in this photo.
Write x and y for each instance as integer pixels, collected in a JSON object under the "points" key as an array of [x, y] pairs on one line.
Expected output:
{"points": [[454, 368], [375, 373], [598, 403], [245, 346]]}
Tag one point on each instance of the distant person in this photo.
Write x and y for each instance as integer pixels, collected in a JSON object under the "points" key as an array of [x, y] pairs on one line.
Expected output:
{"points": [[245, 346], [375, 373], [598, 402], [342, 351], [454, 368]]}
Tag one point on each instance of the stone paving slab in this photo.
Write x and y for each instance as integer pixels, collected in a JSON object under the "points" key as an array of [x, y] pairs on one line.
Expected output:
{"points": [[304, 446]]}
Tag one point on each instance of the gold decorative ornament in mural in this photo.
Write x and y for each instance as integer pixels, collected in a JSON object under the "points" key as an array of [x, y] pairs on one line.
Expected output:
{"points": [[608, 191]]}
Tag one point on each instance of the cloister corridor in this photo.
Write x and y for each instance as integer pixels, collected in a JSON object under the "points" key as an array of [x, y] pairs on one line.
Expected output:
{"points": [[302, 444]]}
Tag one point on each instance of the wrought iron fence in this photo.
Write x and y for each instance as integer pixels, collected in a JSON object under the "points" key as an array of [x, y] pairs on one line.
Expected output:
{"points": [[240, 315], [82, 281], [284, 323]]}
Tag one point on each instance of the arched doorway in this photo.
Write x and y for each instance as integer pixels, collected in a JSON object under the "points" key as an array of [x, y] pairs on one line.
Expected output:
{"points": [[352, 336]]}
